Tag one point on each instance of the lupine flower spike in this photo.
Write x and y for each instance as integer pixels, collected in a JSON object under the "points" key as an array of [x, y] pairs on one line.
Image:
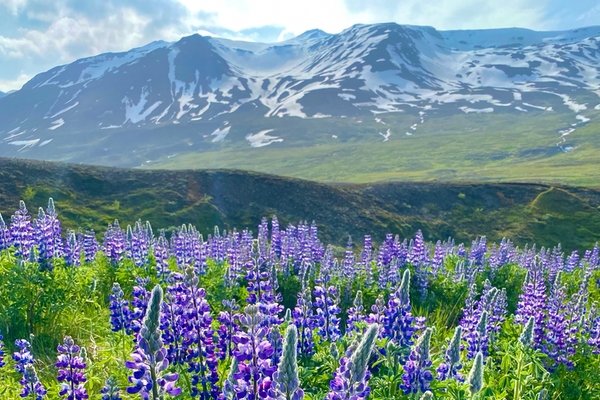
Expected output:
{"points": [[451, 365], [352, 376], [476, 374], [526, 337], [110, 391], [417, 375], [150, 358], [32, 387], [71, 367], [286, 377]]}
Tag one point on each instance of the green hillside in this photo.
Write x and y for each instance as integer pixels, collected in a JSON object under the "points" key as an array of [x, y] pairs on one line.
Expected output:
{"points": [[499, 147], [94, 196]]}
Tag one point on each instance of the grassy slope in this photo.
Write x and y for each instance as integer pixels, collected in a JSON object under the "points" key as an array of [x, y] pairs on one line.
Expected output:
{"points": [[478, 148], [93, 197]]}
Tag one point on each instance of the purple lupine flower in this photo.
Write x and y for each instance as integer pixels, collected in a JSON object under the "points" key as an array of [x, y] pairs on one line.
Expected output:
{"points": [[366, 257], [377, 315], [138, 244], [227, 328], [150, 357], [390, 274], [21, 231], [438, 258], [2, 363], [275, 238], [90, 245], [119, 310], [476, 328], [198, 339], [355, 313], [254, 377], [114, 242], [478, 250], [31, 384], [417, 369], [461, 251], [252, 281], [111, 391], [498, 312], [501, 255], [348, 264], [161, 255], [450, 367], [269, 305], [71, 367], [326, 313], [532, 303], [47, 233], [72, 250], [399, 321], [594, 333], [23, 356], [262, 241], [477, 339], [269, 299], [418, 257], [304, 321], [560, 336], [139, 302], [352, 376], [173, 320], [5, 238]]}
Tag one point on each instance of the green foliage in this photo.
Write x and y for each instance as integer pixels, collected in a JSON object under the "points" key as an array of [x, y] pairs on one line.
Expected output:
{"points": [[46, 305]]}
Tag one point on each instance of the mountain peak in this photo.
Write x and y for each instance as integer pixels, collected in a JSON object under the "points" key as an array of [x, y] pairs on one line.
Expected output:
{"points": [[203, 94], [313, 34]]}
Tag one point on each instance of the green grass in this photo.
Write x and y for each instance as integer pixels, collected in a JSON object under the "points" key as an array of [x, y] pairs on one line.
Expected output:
{"points": [[474, 148]]}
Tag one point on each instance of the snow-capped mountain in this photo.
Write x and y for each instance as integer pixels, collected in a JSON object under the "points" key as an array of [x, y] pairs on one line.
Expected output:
{"points": [[202, 93]]}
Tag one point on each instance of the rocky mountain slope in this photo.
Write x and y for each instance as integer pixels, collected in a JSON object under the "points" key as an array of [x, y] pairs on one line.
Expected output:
{"points": [[367, 84]]}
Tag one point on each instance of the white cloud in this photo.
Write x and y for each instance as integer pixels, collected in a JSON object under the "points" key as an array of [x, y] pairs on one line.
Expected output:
{"points": [[13, 6], [336, 15], [13, 84], [70, 37], [68, 30]]}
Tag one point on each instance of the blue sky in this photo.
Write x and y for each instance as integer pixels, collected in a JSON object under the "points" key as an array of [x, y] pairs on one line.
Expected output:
{"points": [[36, 35]]}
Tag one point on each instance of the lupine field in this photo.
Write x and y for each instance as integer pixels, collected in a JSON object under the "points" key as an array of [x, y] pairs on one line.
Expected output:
{"points": [[132, 313]]}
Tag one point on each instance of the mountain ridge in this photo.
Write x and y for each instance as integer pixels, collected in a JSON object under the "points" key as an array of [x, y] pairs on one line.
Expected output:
{"points": [[367, 84]]}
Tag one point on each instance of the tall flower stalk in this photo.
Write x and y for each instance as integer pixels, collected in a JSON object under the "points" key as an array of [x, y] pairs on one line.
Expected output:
{"points": [[149, 364], [350, 381], [286, 377], [71, 367], [417, 370]]}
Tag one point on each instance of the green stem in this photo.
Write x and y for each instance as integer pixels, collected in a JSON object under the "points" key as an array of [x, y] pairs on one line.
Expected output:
{"points": [[517, 391], [154, 380]]}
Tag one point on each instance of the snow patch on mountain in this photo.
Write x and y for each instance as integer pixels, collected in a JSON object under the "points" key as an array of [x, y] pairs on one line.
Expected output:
{"points": [[56, 124], [386, 135], [582, 118], [25, 144], [469, 110], [64, 110], [220, 134], [262, 138], [135, 110]]}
